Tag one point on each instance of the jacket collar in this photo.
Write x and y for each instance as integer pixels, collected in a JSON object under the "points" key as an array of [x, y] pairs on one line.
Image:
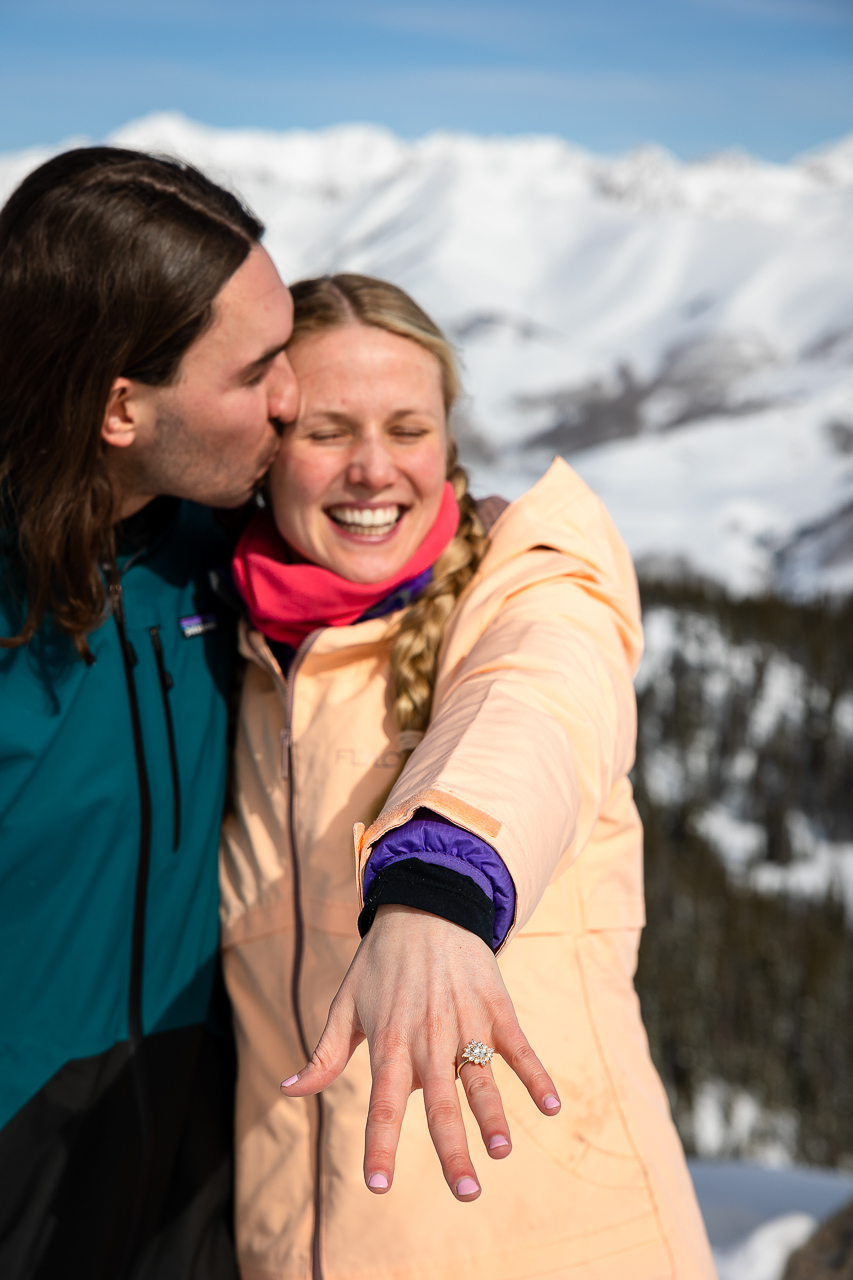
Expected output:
{"points": [[141, 531]]}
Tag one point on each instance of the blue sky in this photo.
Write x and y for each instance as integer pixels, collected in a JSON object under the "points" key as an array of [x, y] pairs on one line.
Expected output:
{"points": [[772, 76]]}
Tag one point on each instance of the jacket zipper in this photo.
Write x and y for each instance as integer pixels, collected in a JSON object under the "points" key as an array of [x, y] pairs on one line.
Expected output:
{"points": [[134, 1014], [285, 690], [166, 685], [137, 954], [299, 939]]}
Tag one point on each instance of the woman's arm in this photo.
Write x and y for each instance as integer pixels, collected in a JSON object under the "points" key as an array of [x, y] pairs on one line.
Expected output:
{"points": [[533, 725]]}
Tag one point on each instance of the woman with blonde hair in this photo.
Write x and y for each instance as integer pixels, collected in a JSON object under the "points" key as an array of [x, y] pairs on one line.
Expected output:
{"points": [[456, 690]]}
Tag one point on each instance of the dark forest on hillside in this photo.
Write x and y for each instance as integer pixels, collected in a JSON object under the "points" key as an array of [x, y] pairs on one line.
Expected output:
{"points": [[751, 989]]}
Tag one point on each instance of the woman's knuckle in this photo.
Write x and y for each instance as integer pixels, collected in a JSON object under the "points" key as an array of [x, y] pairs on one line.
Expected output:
{"points": [[434, 1027], [479, 1085], [456, 1163], [391, 1045], [523, 1058], [391, 1060], [441, 1115], [383, 1113]]}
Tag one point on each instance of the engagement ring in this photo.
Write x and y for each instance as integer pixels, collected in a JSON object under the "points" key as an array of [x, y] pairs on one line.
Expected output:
{"points": [[477, 1052]]}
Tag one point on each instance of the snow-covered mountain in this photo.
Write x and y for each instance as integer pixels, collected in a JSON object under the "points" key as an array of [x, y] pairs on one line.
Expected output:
{"points": [[684, 332]]}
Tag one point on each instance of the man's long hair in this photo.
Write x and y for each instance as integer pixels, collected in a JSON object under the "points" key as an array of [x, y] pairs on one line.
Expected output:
{"points": [[110, 261]]}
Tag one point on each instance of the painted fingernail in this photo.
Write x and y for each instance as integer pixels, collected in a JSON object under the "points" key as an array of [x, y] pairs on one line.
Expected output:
{"points": [[285, 1084], [466, 1187], [498, 1141], [551, 1103], [378, 1180]]}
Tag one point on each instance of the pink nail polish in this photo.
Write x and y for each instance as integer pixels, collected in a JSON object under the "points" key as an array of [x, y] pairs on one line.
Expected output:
{"points": [[377, 1180], [285, 1084], [498, 1141], [551, 1103], [466, 1187]]}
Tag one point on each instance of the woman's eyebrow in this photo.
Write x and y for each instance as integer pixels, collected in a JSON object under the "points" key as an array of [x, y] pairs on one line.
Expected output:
{"points": [[341, 418], [331, 415]]}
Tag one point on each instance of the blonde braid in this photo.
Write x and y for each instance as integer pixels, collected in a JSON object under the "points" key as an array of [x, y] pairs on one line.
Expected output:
{"points": [[417, 643]]}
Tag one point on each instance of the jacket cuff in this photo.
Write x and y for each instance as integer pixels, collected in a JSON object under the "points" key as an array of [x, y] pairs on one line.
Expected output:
{"points": [[442, 892], [431, 838]]}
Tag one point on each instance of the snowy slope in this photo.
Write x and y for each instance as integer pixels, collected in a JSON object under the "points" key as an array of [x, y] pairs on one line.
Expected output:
{"points": [[756, 1217], [684, 332]]}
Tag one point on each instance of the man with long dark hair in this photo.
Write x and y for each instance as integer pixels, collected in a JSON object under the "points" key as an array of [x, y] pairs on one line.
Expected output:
{"points": [[142, 379]]}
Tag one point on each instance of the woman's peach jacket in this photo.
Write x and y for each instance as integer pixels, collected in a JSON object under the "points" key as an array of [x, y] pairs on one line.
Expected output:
{"points": [[529, 747]]}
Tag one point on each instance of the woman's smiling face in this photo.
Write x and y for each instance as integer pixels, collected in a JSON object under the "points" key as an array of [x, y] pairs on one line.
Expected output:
{"points": [[358, 480]]}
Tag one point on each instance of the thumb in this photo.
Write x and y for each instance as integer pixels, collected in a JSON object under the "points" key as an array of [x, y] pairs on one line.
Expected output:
{"points": [[341, 1036]]}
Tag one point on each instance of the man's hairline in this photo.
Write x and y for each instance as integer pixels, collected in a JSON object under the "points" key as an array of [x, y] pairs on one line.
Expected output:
{"points": [[216, 315]]}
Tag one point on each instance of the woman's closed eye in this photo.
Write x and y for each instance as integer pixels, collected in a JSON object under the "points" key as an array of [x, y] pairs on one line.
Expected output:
{"points": [[329, 435], [409, 433]]}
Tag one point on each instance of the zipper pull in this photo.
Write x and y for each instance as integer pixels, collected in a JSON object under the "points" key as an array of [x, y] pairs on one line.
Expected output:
{"points": [[161, 661], [285, 753], [117, 599], [166, 684]]}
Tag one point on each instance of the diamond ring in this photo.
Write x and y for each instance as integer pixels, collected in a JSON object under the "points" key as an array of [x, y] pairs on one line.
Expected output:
{"points": [[477, 1052]]}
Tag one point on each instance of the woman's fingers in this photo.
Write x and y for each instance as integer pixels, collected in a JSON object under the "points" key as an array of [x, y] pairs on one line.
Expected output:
{"points": [[341, 1037], [417, 984], [484, 1099], [444, 1118], [389, 1096], [515, 1049]]}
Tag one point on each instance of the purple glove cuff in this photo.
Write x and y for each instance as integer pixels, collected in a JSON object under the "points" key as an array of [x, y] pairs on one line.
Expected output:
{"points": [[434, 839]]}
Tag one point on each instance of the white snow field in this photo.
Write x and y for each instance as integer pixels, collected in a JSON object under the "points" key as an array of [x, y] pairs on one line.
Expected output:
{"points": [[756, 1217], [684, 332]]}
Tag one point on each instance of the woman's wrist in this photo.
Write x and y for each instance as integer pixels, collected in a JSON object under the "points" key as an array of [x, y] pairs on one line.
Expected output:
{"points": [[438, 890]]}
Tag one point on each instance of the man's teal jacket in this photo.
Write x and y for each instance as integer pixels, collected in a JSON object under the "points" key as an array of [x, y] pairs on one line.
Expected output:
{"points": [[112, 780]]}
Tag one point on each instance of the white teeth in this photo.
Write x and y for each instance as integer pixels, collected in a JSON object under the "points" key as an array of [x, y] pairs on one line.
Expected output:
{"points": [[373, 519]]}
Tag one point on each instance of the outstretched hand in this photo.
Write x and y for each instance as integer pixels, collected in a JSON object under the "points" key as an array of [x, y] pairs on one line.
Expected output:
{"points": [[419, 989]]}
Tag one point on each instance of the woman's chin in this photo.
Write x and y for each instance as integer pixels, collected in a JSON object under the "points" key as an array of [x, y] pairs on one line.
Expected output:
{"points": [[368, 560], [366, 569]]}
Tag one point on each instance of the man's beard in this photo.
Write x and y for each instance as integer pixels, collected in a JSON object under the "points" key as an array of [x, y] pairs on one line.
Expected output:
{"points": [[189, 465]]}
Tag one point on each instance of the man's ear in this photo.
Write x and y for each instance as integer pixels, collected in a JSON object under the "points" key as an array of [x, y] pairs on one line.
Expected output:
{"points": [[119, 426]]}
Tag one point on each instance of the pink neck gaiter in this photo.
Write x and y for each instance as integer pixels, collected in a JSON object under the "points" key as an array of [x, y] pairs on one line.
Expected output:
{"points": [[288, 601]]}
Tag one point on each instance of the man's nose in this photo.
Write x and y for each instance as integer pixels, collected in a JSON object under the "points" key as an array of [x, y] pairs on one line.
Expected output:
{"points": [[283, 391], [370, 464]]}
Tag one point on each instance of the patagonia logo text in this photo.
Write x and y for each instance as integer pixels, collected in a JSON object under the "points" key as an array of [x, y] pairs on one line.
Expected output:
{"points": [[198, 624]]}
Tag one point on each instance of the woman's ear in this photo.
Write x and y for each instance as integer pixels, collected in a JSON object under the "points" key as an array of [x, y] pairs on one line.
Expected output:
{"points": [[119, 425]]}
